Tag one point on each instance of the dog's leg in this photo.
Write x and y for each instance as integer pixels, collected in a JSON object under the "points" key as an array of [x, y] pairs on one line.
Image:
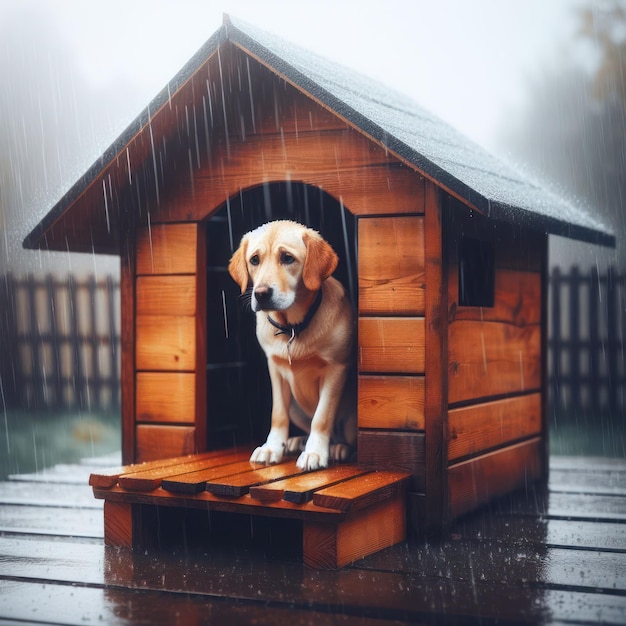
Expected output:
{"points": [[316, 452], [296, 444], [273, 449]]}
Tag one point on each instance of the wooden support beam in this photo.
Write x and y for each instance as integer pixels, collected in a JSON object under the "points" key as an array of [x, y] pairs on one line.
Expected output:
{"points": [[331, 546]]}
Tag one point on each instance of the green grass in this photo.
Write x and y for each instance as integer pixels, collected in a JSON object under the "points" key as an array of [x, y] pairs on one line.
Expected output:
{"points": [[31, 441], [586, 435]]}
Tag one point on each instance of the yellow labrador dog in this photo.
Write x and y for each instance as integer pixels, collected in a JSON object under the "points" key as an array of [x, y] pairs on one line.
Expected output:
{"points": [[305, 325]]}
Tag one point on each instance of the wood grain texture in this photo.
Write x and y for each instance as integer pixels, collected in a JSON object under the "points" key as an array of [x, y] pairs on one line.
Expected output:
{"points": [[196, 481], [299, 489], [107, 477], [166, 397], [362, 491], [391, 344], [118, 524], [127, 345], [476, 428], [433, 513], [166, 295], [239, 484], [394, 451], [165, 343], [158, 442], [391, 266], [149, 476], [391, 402], [345, 164], [201, 417], [481, 479], [331, 546], [167, 249], [492, 358], [517, 299]]}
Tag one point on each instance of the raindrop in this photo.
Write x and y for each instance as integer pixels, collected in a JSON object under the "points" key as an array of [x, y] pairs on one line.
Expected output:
{"points": [[191, 176], [130, 175], [251, 95], [230, 226], [225, 314], [347, 249], [106, 205], [154, 165], [206, 129], [150, 239], [219, 61]]}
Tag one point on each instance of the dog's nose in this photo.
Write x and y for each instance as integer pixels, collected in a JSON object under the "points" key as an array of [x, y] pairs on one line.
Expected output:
{"points": [[263, 294]]}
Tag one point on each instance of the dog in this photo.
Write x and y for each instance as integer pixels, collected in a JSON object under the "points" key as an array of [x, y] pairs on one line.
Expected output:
{"points": [[305, 325]]}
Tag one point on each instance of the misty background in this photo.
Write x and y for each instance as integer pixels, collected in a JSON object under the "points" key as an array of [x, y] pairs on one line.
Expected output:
{"points": [[542, 86]]}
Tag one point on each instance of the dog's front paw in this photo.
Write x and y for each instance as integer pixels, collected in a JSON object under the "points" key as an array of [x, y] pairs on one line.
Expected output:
{"points": [[267, 454], [315, 455], [310, 461]]}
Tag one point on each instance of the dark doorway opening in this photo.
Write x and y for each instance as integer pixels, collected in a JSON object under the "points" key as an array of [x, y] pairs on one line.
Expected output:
{"points": [[238, 389]]}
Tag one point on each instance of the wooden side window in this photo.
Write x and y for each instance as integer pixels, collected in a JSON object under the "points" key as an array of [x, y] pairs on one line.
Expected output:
{"points": [[477, 272]]}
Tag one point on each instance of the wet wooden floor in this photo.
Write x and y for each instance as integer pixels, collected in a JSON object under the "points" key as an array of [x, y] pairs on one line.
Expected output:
{"points": [[555, 555]]}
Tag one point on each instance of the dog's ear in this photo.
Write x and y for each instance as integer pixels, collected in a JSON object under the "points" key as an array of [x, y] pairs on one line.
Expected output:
{"points": [[237, 267], [320, 261]]}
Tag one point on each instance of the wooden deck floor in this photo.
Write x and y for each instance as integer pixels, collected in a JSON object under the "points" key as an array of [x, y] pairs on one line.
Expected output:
{"points": [[555, 555]]}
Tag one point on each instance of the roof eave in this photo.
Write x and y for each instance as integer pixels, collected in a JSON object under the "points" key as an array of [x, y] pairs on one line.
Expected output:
{"points": [[36, 238], [230, 32], [408, 155], [551, 226]]}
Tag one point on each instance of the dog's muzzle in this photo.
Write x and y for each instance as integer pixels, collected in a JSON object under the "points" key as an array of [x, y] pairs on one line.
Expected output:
{"points": [[263, 298]]}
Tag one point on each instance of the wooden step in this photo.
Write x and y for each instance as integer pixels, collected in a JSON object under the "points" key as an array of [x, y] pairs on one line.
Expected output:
{"points": [[348, 511], [299, 489], [361, 492], [147, 480], [108, 477], [196, 481], [239, 484]]}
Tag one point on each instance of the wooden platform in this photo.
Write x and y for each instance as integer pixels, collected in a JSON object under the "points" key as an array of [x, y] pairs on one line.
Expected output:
{"points": [[542, 556], [347, 512]]}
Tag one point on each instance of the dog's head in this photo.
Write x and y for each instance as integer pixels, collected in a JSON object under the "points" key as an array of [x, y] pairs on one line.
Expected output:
{"points": [[281, 259]]}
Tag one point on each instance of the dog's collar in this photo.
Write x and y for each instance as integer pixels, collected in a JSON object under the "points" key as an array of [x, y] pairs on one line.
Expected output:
{"points": [[293, 330]]}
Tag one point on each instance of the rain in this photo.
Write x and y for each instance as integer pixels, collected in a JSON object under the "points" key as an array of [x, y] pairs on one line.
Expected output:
{"points": [[540, 87]]}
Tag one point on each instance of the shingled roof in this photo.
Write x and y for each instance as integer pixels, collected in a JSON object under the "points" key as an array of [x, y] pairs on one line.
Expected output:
{"points": [[417, 137]]}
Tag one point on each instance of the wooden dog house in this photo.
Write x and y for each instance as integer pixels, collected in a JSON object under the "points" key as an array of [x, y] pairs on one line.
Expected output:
{"points": [[444, 250]]}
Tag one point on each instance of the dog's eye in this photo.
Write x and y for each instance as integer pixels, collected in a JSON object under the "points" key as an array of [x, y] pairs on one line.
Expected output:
{"points": [[286, 258], [254, 260]]}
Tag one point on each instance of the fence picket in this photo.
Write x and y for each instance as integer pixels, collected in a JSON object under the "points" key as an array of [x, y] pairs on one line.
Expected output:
{"points": [[595, 337], [52, 358]]}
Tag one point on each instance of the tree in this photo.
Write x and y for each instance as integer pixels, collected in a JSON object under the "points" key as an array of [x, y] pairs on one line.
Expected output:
{"points": [[573, 130]]}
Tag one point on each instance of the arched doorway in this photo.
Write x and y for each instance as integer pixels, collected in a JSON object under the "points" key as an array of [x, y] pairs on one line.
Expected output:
{"points": [[238, 390]]}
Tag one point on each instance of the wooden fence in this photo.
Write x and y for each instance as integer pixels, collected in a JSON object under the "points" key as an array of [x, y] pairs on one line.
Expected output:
{"points": [[587, 343], [60, 342]]}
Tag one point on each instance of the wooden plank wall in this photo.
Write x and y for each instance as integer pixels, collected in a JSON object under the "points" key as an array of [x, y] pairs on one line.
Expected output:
{"points": [[391, 331], [495, 369], [170, 355]]}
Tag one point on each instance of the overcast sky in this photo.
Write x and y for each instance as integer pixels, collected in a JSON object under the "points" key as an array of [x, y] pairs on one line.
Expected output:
{"points": [[466, 61], [469, 62]]}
